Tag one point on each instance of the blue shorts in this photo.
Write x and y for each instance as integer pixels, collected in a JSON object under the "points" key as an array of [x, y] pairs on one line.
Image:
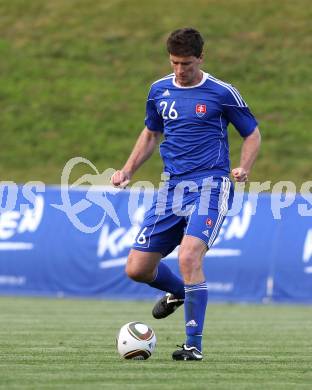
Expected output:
{"points": [[194, 207]]}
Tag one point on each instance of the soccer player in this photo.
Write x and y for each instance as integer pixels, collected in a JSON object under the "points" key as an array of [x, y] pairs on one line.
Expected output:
{"points": [[191, 110]]}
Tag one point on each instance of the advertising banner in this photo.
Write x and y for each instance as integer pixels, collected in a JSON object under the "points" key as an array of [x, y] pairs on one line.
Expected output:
{"points": [[74, 242]]}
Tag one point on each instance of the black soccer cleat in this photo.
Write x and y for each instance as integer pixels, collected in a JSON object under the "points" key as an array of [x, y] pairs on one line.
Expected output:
{"points": [[166, 306], [187, 353]]}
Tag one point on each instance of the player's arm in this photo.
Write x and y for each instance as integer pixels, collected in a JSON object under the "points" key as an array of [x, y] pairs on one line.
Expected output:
{"points": [[237, 112], [143, 149], [249, 152]]}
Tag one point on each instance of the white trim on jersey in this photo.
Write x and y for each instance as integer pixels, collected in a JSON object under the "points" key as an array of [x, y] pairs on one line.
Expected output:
{"points": [[229, 87], [202, 81], [169, 76], [220, 143], [219, 154], [231, 105], [236, 95], [222, 131]]}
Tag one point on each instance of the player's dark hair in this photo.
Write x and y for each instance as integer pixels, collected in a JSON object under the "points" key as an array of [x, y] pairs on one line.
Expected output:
{"points": [[185, 42]]}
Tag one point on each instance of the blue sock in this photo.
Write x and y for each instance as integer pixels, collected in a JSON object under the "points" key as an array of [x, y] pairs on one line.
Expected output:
{"points": [[196, 298], [166, 280]]}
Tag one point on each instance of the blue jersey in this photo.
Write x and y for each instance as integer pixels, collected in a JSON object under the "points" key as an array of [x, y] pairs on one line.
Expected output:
{"points": [[194, 123]]}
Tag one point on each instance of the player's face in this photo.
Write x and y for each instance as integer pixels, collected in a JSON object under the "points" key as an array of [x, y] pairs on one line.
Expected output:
{"points": [[186, 69]]}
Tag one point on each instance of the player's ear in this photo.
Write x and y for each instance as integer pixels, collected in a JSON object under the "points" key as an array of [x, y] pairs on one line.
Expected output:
{"points": [[201, 58]]}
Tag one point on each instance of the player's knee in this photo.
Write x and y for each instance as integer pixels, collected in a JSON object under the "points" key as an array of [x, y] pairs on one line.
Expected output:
{"points": [[188, 256], [189, 263], [136, 272]]}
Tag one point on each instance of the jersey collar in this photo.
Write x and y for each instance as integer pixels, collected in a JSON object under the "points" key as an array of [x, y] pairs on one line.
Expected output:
{"points": [[204, 78]]}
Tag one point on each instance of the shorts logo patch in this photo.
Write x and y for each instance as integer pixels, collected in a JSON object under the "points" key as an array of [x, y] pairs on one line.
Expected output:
{"points": [[201, 110], [209, 222]]}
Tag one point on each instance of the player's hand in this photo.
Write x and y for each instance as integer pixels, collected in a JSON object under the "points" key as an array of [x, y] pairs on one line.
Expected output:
{"points": [[120, 179], [240, 174]]}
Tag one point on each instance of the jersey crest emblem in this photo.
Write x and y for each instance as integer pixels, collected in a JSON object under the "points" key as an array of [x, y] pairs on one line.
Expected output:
{"points": [[201, 110]]}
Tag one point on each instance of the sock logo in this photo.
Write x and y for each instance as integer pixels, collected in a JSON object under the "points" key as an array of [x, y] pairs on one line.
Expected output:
{"points": [[192, 323]]}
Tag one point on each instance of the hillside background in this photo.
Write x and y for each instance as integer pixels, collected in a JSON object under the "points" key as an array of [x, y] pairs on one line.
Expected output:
{"points": [[74, 76]]}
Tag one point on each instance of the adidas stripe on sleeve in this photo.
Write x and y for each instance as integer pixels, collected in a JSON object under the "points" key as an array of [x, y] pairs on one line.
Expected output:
{"points": [[237, 112]]}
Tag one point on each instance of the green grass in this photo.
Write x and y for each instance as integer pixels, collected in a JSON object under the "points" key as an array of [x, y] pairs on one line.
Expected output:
{"points": [[70, 344], [74, 77]]}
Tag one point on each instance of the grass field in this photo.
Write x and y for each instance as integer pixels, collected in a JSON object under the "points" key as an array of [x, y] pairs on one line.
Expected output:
{"points": [[70, 344], [74, 76]]}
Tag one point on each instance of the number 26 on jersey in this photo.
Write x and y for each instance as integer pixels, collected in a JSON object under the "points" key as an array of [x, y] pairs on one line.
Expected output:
{"points": [[168, 110]]}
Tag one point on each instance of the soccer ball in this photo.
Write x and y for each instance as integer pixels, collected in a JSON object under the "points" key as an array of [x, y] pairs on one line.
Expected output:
{"points": [[136, 341]]}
